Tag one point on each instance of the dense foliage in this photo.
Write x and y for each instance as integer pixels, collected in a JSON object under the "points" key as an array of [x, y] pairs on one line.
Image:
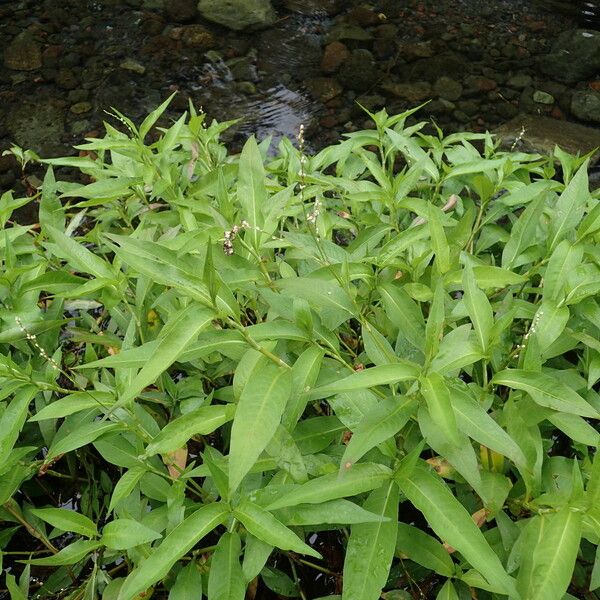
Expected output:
{"points": [[209, 363]]}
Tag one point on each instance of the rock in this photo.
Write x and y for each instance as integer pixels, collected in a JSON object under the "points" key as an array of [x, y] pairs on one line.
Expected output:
{"points": [[196, 36], [23, 54], [334, 55], [66, 79], [80, 107], [519, 81], [447, 64], [133, 65], [413, 50], [543, 133], [324, 89], [181, 11], [363, 16], [574, 56], [238, 14], [359, 72], [243, 69], [475, 84], [585, 105], [347, 31], [540, 97], [413, 92], [448, 88], [38, 126]]}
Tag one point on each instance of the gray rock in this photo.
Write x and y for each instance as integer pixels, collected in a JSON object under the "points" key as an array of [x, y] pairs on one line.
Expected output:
{"points": [[540, 97], [324, 88], [346, 31], [519, 81], [359, 71], [238, 14], [413, 92], [574, 56], [37, 126], [541, 134], [23, 54], [448, 88], [585, 105]]}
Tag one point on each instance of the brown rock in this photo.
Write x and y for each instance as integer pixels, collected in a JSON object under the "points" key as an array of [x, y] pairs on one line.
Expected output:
{"points": [[413, 92], [23, 54], [333, 57], [196, 36], [363, 16], [532, 133], [324, 88], [181, 11]]}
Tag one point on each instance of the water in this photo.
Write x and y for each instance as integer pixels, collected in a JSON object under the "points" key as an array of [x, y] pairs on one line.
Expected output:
{"points": [[85, 57]]}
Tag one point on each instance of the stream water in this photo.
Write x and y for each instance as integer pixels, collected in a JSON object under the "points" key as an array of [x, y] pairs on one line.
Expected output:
{"points": [[480, 62]]}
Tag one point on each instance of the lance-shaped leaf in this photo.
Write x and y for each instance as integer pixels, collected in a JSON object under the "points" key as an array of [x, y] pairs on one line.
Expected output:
{"points": [[263, 525], [424, 549], [202, 421], [548, 552], [382, 375], [370, 548], [451, 521], [177, 335], [226, 579], [436, 394], [546, 390], [479, 309], [261, 405], [251, 190], [181, 539], [360, 478], [67, 520], [388, 418]]}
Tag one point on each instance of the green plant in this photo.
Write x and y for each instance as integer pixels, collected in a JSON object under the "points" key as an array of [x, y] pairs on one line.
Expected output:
{"points": [[217, 356]]}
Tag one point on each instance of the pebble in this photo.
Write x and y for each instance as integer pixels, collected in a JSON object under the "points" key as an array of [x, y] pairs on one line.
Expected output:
{"points": [[80, 108], [543, 97], [133, 65], [334, 55], [23, 54]]}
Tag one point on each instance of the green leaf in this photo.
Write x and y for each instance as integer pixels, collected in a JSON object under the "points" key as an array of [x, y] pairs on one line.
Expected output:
{"points": [[360, 478], [67, 520], [523, 233], [439, 243], [226, 579], [69, 555], [79, 257], [452, 523], [570, 207], [251, 190], [125, 486], [332, 512], [179, 541], [424, 549], [13, 418], [178, 334], [473, 420], [479, 309], [546, 390], [13, 589], [548, 554], [382, 375], [202, 421], [122, 534], [565, 258], [256, 554], [82, 436], [447, 592], [434, 328], [188, 583], [388, 418], [404, 313], [261, 405], [370, 548], [75, 402], [151, 119], [437, 395], [263, 525]]}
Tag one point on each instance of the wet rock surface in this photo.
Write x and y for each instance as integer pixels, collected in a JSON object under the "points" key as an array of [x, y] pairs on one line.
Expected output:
{"points": [[275, 64]]}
